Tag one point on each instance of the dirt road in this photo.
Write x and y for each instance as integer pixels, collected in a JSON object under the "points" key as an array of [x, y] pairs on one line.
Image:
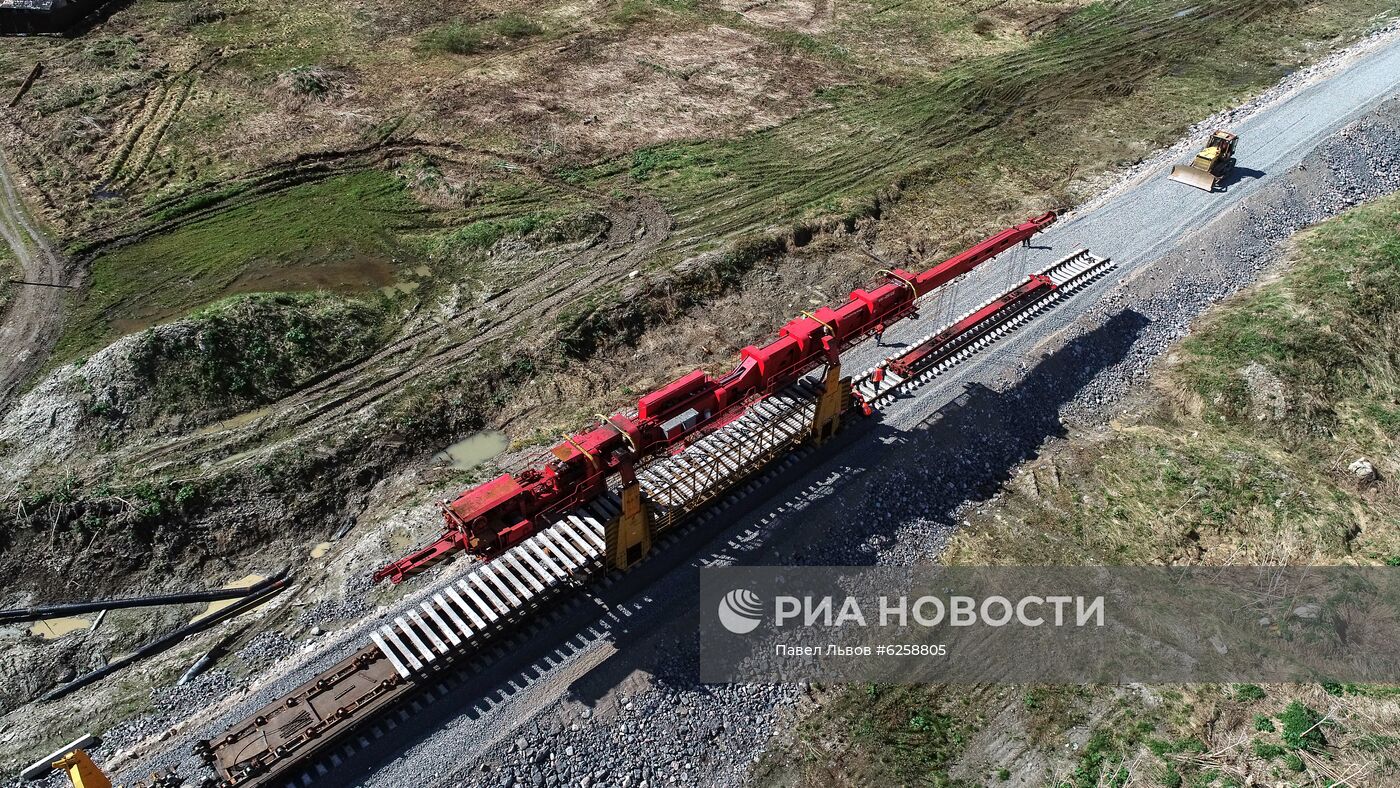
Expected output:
{"points": [[35, 315]]}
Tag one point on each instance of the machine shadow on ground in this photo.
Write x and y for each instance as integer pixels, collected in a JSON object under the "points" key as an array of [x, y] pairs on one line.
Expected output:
{"points": [[1240, 174], [968, 450]]}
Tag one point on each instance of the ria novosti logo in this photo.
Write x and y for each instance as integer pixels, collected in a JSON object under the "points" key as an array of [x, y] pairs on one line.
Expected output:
{"points": [[740, 611]]}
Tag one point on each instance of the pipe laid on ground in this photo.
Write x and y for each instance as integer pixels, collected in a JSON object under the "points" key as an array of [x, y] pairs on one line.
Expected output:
{"points": [[258, 594], [210, 657], [21, 614]]}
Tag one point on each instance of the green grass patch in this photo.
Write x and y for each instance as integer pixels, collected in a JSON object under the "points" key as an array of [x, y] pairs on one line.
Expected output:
{"points": [[485, 233], [1100, 763], [9, 269], [248, 350], [456, 38], [1248, 692], [1362, 690], [461, 37], [888, 735], [263, 40], [1302, 728], [1317, 334], [273, 242], [631, 12], [515, 25]]}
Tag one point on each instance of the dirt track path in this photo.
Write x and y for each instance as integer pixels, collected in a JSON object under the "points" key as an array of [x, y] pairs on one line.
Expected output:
{"points": [[31, 324]]}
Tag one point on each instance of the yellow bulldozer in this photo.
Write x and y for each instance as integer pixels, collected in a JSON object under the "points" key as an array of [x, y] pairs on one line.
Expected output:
{"points": [[1211, 165]]}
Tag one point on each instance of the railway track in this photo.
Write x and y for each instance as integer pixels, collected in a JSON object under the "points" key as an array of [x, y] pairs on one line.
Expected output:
{"points": [[936, 353], [468, 616]]}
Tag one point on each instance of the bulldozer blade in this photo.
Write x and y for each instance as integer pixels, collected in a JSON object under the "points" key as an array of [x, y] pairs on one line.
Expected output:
{"points": [[1182, 173]]}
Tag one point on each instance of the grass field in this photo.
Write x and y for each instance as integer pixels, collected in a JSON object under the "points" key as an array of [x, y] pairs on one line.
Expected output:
{"points": [[1245, 454], [1242, 459], [340, 234]]}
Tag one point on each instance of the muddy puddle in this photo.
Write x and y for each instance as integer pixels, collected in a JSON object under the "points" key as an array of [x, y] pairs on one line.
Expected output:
{"points": [[246, 581], [350, 276], [408, 281], [346, 277], [55, 628], [234, 422], [474, 449]]}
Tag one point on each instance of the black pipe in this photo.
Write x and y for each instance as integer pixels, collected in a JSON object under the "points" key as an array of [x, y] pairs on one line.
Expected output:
{"points": [[72, 608], [258, 594], [42, 284], [211, 656]]}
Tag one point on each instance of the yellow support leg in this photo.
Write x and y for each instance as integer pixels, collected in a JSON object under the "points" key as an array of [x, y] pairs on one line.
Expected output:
{"points": [[835, 398], [629, 537], [82, 771]]}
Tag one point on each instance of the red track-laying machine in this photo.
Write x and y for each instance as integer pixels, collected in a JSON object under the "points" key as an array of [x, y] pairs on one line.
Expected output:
{"points": [[497, 514]]}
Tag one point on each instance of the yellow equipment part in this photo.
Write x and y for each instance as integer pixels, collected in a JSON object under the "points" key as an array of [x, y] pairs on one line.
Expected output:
{"points": [[1211, 164], [834, 400], [1201, 179], [82, 771], [628, 536]]}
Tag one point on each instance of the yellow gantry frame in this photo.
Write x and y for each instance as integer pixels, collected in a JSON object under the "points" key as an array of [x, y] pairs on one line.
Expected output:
{"points": [[82, 771], [629, 536]]}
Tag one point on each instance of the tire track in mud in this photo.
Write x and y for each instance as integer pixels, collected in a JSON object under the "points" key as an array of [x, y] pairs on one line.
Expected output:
{"points": [[864, 147], [34, 317]]}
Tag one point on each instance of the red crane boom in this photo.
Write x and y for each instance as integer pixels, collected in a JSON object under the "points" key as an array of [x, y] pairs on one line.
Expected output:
{"points": [[496, 514]]}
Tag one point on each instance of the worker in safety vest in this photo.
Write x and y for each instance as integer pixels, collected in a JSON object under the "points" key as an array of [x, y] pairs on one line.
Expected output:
{"points": [[879, 335]]}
